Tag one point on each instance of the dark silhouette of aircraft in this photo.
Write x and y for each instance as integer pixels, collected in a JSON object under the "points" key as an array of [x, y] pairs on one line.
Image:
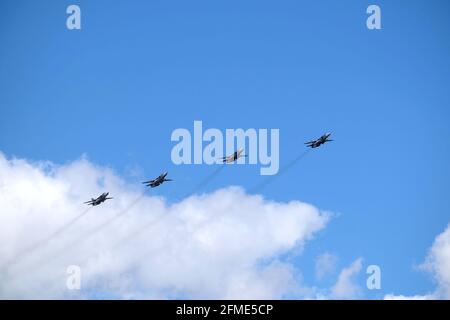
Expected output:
{"points": [[158, 181], [232, 158], [318, 142], [102, 198]]}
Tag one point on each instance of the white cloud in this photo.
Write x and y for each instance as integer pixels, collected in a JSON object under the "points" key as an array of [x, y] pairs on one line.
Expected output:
{"points": [[226, 244], [325, 265], [437, 264], [345, 287]]}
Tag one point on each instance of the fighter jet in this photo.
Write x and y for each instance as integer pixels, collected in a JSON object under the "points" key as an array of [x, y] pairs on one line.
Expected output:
{"points": [[318, 142], [156, 182], [102, 198], [232, 158]]}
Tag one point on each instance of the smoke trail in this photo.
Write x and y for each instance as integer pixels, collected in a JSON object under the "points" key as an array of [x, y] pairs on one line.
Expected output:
{"points": [[59, 253], [44, 241], [140, 230], [132, 235], [263, 184], [205, 181], [144, 227], [98, 228], [198, 187], [270, 179]]}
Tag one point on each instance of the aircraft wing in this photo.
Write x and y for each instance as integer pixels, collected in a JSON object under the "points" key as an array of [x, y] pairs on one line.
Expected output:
{"points": [[149, 182]]}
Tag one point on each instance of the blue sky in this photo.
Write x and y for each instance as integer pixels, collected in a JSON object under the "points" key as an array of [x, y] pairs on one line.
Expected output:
{"points": [[117, 88]]}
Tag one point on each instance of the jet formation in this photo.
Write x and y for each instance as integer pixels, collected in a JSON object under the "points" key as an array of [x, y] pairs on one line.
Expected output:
{"points": [[228, 159]]}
